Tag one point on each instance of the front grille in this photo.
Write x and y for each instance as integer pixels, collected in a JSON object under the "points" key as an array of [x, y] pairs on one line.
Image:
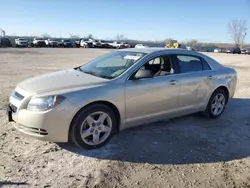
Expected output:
{"points": [[33, 130], [18, 95]]}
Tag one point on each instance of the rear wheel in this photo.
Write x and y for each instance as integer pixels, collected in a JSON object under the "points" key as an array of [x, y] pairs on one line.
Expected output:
{"points": [[93, 126], [217, 103]]}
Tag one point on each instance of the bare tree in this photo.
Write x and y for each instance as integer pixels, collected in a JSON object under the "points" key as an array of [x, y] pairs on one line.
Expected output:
{"points": [[120, 37], [90, 36], [46, 35], [191, 42], [237, 30], [168, 40], [73, 36]]}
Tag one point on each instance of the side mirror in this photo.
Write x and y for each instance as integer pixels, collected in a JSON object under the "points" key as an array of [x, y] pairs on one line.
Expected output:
{"points": [[143, 73]]}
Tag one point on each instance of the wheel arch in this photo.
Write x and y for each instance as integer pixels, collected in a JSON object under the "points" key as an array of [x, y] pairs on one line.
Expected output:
{"points": [[107, 103], [225, 89]]}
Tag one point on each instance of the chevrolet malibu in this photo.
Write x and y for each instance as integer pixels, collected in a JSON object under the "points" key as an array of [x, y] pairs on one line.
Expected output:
{"points": [[121, 89]]}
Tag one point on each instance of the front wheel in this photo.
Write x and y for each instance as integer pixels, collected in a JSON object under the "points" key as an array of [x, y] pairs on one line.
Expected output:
{"points": [[216, 104], [93, 126]]}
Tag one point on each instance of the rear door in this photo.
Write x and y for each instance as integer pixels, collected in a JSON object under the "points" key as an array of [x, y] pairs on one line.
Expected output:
{"points": [[196, 81]]}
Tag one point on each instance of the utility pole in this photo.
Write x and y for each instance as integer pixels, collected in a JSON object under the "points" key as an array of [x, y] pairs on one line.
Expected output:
{"points": [[243, 37], [2, 32]]}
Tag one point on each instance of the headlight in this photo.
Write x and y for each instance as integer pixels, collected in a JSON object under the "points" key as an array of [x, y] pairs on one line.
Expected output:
{"points": [[45, 103]]}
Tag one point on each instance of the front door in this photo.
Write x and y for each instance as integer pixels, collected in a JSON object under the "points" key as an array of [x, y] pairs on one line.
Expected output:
{"points": [[149, 99]]}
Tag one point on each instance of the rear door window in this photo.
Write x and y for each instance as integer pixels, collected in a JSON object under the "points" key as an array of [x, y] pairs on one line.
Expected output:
{"points": [[189, 63]]}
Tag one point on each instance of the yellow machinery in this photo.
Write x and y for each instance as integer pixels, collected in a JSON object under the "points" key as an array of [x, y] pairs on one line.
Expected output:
{"points": [[173, 44]]}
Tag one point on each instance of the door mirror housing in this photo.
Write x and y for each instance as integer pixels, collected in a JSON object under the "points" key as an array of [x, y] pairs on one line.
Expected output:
{"points": [[143, 73]]}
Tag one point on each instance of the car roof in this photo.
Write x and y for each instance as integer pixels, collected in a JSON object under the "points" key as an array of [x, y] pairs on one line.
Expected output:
{"points": [[212, 62], [155, 49]]}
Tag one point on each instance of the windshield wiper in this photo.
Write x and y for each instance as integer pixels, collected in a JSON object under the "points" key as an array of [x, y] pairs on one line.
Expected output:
{"points": [[89, 72], [94, 73], [105, 76], [98, 75]]}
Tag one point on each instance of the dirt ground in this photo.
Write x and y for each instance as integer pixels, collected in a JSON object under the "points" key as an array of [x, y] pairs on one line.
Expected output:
{"points": [[190, 151]]}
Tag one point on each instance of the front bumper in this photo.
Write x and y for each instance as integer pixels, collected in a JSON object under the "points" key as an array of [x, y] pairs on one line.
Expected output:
{"points": [[52, 125], [22, 44]]}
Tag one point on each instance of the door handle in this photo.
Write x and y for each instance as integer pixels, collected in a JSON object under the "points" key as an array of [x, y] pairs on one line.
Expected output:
{"points": [[210, 77], [173, 82]]}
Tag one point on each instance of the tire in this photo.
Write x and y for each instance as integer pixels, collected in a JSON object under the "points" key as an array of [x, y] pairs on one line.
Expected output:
{"points": [[210, 111], [82, 123]]}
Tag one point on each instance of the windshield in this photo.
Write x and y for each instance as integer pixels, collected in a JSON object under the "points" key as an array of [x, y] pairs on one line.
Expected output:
{"points": [[22, 39], [112, 64]]}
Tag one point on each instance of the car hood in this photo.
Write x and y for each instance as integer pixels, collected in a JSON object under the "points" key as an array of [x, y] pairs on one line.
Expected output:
{"points": [[61, 80]]}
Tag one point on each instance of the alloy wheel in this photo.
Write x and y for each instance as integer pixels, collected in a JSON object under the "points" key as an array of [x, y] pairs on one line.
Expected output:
{"points": [[96, 128], [218, 104]]}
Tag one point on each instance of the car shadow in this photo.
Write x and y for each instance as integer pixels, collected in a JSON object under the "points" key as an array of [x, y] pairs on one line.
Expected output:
{"points": [[9, 183], [185, 140]]}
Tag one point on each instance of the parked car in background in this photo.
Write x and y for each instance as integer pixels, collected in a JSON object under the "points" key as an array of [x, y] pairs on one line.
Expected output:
{"points": [[141, 46], [21, 42], [51, 42], [247, 52], [120, 45], [86, 43], [106, 44], [66, 43], [83, 43], [38, 42], [113, 44], [116, 44], [236, 50], [124, 88], [124, 45], [77, 43], [5, 42], [224, 50], [228, 51], [97, 44], [217, 50]]}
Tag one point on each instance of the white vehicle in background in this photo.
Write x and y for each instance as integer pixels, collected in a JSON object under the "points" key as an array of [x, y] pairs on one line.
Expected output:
{"points": [[124, 45], [51, 43], [115, 44], [39, 42], [97, 44], [21, 42], [141, 46], [190, 48], [217, 50], [86, 43]]}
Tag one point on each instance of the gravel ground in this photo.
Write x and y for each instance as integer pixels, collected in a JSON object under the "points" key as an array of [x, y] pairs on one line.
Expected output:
{"points": [[190, 151]]}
